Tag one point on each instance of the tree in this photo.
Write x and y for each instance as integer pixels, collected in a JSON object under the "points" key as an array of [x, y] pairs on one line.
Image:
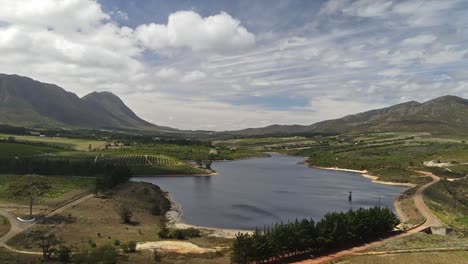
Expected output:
{"points": [[30, 188], [125, 212], [47, 242]]}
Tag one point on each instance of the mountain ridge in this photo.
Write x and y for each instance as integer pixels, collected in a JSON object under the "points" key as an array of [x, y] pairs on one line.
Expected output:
{"points": [[27, 102], [445, 114]]}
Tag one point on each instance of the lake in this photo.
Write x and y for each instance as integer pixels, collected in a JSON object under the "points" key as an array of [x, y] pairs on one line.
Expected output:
{"points": [[262, 191]]}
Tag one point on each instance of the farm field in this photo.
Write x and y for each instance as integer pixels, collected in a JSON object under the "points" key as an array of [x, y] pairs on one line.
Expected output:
{"points": [[185, 152], [8, 150], [62, 189], [151, 164], [68, 143]]}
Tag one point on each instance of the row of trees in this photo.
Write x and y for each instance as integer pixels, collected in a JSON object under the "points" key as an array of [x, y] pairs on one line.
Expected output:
{"points": [[333, 231]]}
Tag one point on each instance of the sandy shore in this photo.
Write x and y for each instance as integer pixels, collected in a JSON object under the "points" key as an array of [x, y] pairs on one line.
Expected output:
{"points": [[174, 217], [365, 174]]}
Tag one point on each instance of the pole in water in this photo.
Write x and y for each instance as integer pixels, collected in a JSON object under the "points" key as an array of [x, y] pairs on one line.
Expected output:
{"points": [[350, 196], [379, 201]]}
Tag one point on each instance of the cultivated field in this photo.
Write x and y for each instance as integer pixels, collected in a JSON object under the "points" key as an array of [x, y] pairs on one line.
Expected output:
{"points": [[11, 150], [69, 143]]}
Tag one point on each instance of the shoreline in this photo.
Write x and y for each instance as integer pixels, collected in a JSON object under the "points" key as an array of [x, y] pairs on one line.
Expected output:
{"points": [[174, 219], [365, 174], [177, 175]]}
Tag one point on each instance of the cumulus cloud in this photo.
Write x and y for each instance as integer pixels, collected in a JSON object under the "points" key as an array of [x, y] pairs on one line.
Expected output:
{"points": [[353, 56], [58, 15], [188, 29]]}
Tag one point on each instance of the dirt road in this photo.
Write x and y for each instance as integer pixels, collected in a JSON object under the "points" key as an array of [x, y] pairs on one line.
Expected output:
{"points": [[431, 220]]}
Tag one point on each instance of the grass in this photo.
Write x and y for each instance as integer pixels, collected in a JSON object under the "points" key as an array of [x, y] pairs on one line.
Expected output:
{"points": [[449, 201], [69, 143], [422, 241], [183, 152], [4, 226], [9, 257], [96, 220], [457, 257], [8, 150], [62, 190], [415, 242]]}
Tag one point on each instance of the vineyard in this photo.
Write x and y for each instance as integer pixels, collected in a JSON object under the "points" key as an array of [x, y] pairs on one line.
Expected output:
{"points": [[138, 160]]}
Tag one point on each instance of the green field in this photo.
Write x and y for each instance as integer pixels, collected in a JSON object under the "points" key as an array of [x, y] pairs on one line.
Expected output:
{"points": [[184, 152], [24, 150], [62, 187], [449, 201], [68, 143]]}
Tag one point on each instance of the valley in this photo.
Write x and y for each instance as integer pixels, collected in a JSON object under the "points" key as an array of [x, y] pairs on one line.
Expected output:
{"points": [[98, 192]]}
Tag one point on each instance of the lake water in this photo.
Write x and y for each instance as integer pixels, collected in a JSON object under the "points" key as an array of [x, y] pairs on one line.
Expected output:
{"points": [[256, 192]]}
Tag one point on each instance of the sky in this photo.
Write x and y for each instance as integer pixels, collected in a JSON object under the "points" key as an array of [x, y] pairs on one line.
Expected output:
{"points": [[227, 65]]}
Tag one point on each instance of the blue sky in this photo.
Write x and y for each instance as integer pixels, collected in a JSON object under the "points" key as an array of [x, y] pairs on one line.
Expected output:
{"points": [[224, 65]]}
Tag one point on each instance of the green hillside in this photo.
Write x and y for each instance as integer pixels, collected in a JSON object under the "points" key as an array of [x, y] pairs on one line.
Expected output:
{"points": [[29, 103]]}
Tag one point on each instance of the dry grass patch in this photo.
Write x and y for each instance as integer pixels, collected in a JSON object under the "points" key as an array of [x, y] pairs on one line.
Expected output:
{"points": [[456, 257], [4, 226], [95, 221]]}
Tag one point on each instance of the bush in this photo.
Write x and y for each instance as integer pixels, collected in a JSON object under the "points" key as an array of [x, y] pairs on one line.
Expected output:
{"points": [[129, 247], [64, 254], [125, 213], [182, 234]]}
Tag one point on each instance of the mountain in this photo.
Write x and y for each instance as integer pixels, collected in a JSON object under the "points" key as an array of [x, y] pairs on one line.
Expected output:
{"points": [[26, 102], [446, 114]]}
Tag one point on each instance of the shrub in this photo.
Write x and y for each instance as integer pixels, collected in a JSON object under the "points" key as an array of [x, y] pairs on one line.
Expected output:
{"points": [[125, 213], [182, 234], [128, 247], [64, 254]]}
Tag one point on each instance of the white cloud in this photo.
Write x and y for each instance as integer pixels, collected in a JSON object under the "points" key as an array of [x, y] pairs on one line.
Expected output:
{"points": [[352, 59], [356, 64], [193, 76], [368, 8], [446, 56], [390, 72], [188, 29], [168, 73], [59, 15], [419, 40]]}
